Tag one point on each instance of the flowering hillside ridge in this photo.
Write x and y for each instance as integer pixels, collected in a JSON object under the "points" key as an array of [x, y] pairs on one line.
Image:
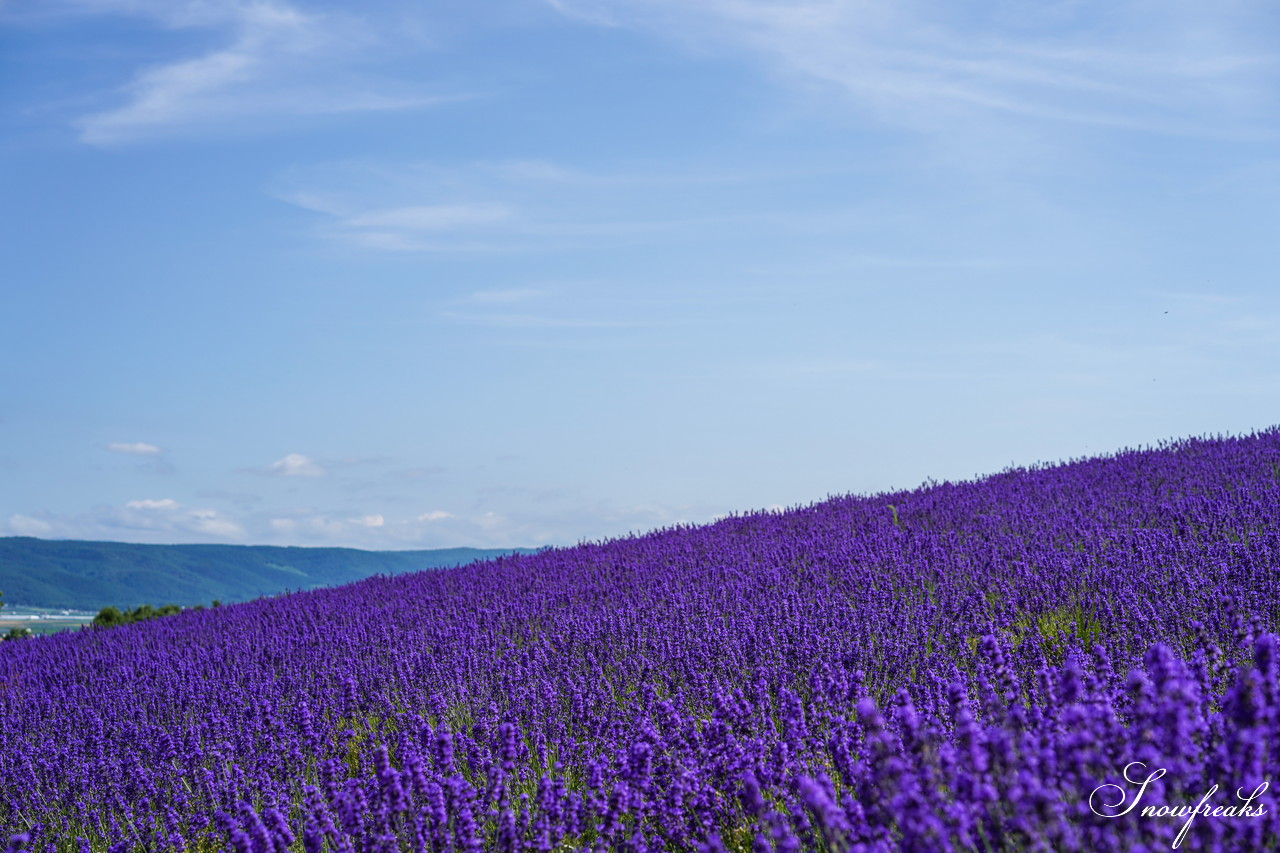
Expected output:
{"points": [[1005, 664]]}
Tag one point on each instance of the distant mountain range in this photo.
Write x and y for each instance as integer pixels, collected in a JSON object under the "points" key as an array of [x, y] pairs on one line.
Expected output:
{"points": [[92, 575]]}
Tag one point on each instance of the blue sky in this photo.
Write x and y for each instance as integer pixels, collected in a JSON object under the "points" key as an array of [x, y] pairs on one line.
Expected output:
{"points": [[523, 272]]}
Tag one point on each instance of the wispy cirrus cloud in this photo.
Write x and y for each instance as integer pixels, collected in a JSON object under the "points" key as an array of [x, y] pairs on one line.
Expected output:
{"points": [[410, 227], [151, 458], [558, 308], [534, 321], [517, 206], [135, 448], [439, 217], [506, 296], [929, 64], [276, 60]]}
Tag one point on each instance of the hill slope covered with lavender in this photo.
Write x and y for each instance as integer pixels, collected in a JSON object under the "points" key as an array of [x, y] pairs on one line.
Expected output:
{"points": [[998, 665]]}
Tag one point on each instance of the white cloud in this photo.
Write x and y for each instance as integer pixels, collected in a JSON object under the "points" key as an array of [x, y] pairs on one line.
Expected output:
{"points": [[25, 525], [166, 519], [136, 448], [295, 465], [433, 529], [518, 523], [277, 61], [435, 515], [164, 503], [147, 520], [308, 526], [211, 522]]}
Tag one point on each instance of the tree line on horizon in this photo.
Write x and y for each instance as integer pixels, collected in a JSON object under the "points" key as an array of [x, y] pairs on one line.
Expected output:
{"points": [[111, 617], [16, 632]]}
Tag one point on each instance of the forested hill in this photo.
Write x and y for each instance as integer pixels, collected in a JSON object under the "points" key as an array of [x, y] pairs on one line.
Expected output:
{"points": [[91, 575]]}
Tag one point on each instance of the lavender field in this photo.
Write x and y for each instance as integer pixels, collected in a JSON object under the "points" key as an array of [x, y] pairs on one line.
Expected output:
{"points": [[1058, 658]]}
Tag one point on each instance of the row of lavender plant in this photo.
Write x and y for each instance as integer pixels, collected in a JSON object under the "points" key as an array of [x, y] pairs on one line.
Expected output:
{"points": [[962, 666]]}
